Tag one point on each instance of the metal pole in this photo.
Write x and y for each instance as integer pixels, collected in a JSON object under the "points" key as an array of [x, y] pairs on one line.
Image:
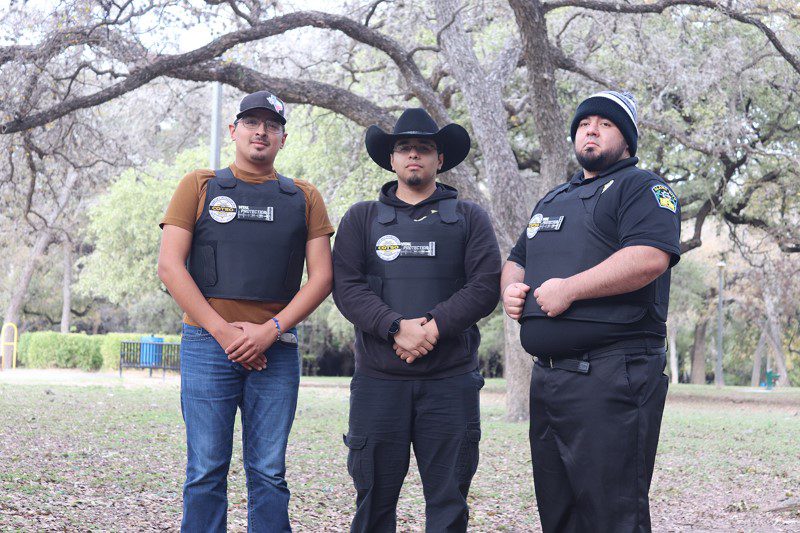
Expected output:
{"points": [[719, 378], [216, 105]]}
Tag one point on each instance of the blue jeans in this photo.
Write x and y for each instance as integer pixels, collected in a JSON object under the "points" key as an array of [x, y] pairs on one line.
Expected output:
{"points": [[212, 387]]}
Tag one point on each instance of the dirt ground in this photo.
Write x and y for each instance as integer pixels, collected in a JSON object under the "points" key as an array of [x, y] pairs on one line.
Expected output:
{"points": [[91, 452]]}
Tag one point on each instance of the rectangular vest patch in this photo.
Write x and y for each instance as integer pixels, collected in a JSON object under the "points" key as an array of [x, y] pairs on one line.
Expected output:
{"points": [[245, 212]]}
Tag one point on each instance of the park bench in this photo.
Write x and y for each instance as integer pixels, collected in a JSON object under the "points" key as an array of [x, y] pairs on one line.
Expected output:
{"points": [[151, 353]]}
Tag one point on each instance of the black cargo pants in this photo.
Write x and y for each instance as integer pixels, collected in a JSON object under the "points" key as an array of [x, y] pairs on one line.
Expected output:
{"points": [[594, 436], [441, 419]]}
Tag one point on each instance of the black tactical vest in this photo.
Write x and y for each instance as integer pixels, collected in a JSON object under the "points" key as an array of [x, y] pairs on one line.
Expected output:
{"points": [[250, 240], [412, 265], [563, 240]]}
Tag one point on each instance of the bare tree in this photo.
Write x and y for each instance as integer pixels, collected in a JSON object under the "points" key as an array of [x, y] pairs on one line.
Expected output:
{"points": [[512, 113]]}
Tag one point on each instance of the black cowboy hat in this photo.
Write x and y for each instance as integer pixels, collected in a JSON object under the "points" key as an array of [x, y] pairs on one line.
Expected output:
{"points": [[452, 140]]}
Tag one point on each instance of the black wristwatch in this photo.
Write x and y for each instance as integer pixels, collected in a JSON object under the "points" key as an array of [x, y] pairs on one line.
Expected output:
{"points": [[394, 328]]}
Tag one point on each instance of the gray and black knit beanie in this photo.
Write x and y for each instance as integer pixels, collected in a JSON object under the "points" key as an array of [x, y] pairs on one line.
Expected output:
{"points": [[619, 107]]}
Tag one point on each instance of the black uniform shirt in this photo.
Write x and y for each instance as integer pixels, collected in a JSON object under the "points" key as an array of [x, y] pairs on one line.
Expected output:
{"points": [[635, 211]]}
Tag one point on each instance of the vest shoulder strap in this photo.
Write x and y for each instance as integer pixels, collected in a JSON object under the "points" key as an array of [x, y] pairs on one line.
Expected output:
{"points": [[549, 196], [447, 210], [225, 178], [287, 185], [386, 214]]}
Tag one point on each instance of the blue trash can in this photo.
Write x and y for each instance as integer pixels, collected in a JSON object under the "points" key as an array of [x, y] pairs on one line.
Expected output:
{"points": [[151, 350]]}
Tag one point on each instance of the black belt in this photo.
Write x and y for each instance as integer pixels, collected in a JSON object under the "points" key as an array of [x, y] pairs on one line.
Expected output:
{"points": [[648, 345]]}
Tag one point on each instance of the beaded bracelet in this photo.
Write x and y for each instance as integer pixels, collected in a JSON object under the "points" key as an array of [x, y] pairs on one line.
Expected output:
{"points": [[278, 325]]}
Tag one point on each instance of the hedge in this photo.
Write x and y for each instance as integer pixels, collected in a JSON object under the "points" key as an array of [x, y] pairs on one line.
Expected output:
{"points": [[51, 349]]}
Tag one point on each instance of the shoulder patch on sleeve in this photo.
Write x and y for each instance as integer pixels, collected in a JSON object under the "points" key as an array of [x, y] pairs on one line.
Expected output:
{"points": [[665, 197]]}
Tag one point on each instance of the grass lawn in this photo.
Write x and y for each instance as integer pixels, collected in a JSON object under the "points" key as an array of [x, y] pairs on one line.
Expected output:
{"points": [[109, 455]]}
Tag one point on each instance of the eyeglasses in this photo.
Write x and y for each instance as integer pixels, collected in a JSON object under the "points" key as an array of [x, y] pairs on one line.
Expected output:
{"points": [[422, 149], [252, 123]]}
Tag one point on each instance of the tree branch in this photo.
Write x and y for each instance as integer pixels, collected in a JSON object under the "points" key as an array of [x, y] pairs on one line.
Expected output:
{"points": [[659, 7], [295, 91], [165, 64]]}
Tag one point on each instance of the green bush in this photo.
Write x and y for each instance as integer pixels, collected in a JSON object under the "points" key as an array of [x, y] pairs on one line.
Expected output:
{"points": [[111, 342], [50, 349], [22, 349]]}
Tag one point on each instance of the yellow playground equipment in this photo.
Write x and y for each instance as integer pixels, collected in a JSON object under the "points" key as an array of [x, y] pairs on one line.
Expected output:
{"points": [[5, 343]]}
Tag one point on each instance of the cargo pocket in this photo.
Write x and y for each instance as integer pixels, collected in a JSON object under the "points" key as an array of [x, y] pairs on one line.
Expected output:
{"points": [[467, 461], [359, 461]]}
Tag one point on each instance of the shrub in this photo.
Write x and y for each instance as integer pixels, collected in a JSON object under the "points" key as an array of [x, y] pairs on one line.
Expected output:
{"points": [[22, 349], [50, 349]]}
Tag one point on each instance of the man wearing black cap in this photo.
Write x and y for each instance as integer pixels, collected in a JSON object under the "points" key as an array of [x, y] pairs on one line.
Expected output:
{"points": [[414, 272], [246, 232], [589, 281]]}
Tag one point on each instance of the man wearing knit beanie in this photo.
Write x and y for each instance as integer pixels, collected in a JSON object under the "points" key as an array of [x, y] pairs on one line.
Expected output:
{"points": [[589, 282]]}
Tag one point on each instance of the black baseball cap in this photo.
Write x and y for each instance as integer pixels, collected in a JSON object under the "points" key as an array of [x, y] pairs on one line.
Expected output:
{"points": [[263, 100]]}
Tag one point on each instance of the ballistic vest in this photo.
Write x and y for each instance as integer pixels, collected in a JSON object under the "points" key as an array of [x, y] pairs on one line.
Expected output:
{"points": [[414, 265], [250, 240], [563, 240]]}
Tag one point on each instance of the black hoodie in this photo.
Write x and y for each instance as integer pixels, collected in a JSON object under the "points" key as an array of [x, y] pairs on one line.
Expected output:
{"points": [[455, 316]]}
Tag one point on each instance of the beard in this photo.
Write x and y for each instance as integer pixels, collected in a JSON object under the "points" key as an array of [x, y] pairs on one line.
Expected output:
{"points": [[414, 180], [596, 160], [260, 155]]}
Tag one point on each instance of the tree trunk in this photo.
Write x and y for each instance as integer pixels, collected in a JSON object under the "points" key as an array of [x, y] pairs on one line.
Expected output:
{"points": [[775, 337], [517, 372], [66, 288], [551, 127], [673, 355], [511, 198], [699, 352], [43, 240], [12, 312], [755, 377], [484, 100]]}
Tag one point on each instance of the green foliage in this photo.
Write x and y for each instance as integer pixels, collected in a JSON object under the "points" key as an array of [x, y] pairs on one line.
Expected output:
{"points": [[328, 151], [492, 348], [152, 311], [23, 348], [50, 349], [123, 227], [111, 342]]}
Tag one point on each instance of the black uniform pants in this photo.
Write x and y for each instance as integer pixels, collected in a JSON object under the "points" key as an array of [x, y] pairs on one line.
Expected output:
{"points": [[441, 419], [594, 437]]}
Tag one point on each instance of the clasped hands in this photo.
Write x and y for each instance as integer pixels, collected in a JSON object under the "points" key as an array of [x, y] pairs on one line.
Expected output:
{"points": [[246, 342], [553, 296], [416, 337]]}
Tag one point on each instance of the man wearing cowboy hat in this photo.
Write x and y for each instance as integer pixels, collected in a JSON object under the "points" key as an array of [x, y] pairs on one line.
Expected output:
{"points": [[414, 272]]}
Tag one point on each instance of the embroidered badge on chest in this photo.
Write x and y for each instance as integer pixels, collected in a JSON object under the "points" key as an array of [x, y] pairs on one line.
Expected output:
{"points": [[222, 209], [390, 248], [665, 197], [246, 212], [540, 222]]}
